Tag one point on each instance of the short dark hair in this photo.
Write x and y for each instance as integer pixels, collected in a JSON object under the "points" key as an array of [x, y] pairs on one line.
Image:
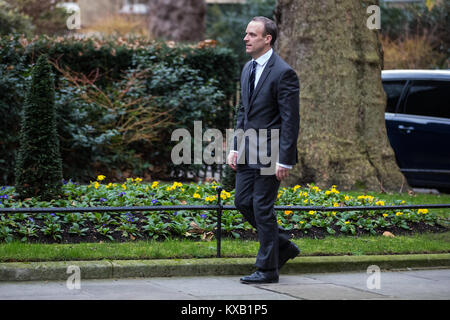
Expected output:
{"points": [[270, 27]]}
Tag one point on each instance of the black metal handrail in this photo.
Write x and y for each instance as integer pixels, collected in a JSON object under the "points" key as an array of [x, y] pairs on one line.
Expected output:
{"points": [[219, 207]]}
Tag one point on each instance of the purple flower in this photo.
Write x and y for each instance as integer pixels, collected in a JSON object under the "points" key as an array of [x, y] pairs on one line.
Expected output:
{"points": [[130, 217], [203, 216], [103, 200], [31, 219], [122, 194], [154, 201], [175, 213]]}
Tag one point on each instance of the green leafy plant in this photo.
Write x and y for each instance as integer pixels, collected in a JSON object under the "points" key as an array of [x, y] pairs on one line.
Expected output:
{"points": [[156, 228], [105, 231], [76, 229]]}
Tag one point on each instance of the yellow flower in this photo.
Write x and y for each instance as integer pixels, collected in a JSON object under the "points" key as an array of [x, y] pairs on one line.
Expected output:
{"points": [[177, 184], [279, 221], [301, 222], [138, 180], [197, 196], [155, 184], [385, 215], [225, 195], [335, 204], [334, 190], [346, 198], [347, 222], [379, 203], [398, 213], [124, 186], [296, 187], [96, 185], [287, 212], [424, 211], [311, 212], [101, 177], [305, 201], [109, 185], [333, 213]]}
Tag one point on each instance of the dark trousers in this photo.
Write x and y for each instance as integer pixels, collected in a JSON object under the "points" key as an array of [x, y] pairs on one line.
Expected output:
{"points": [[255, 195]]}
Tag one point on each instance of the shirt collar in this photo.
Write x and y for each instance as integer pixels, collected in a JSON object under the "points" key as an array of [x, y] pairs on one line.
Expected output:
{"points": [[264, 58]]}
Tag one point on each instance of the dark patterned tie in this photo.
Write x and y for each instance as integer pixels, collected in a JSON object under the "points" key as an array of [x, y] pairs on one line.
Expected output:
{"points": [[251, 80]]}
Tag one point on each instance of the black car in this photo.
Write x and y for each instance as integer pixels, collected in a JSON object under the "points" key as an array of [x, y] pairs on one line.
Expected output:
{"points": [[418, 124]]}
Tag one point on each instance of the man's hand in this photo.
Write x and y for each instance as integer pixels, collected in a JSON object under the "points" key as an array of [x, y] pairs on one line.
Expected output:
{"points": [[232, 160], [282, 172]]}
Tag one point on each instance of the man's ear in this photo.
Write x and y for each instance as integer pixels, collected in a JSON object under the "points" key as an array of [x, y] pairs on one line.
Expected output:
{"points": [[268, 38]]}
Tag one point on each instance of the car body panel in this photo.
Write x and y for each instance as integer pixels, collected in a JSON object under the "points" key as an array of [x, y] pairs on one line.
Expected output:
{"points": [[421, 143]]}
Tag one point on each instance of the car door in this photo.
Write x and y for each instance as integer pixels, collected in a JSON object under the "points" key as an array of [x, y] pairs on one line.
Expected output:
{"points": [[422, 133], [394, 89]]}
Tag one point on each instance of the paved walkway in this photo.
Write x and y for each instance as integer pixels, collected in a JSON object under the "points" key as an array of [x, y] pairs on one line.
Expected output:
{"points": [[417, 284]]}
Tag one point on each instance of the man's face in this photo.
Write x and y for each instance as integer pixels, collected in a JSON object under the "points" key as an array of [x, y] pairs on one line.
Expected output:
{"points": [[256, 44]]}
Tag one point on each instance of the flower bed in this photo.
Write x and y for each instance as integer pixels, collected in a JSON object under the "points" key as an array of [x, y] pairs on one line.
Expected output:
{"points": [[128, 226]]}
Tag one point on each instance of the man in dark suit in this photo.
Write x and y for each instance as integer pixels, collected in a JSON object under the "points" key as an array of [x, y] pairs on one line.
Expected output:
{"points": [[269, 100]]}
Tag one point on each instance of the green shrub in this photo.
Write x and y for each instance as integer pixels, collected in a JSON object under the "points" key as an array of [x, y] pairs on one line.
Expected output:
{"points": [[39, 168], [195, 83]]}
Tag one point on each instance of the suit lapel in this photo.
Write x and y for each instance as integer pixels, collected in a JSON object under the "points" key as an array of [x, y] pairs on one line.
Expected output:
{"points": [[261, 80], [244, 86]]}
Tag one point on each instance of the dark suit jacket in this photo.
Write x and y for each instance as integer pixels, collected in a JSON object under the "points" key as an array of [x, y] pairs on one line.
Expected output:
{"points": [[274, 105]]}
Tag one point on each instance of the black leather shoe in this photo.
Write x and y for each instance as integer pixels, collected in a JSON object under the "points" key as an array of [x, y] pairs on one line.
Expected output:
{"points": [[289, 253], [261, 277]]}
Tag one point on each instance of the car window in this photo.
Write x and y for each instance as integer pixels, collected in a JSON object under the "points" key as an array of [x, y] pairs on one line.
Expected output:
{"points": [[429, 98], [393, 91]]}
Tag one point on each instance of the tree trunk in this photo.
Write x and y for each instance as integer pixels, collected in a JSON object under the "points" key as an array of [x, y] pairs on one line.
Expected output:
{"points": [[177, 20], [342, 138]]}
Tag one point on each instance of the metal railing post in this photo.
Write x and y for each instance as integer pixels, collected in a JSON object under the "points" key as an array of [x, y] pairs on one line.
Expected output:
{"points": [[219, 221]]}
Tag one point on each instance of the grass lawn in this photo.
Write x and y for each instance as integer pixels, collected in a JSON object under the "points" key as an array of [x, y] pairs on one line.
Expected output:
{"points": [[179, 249]]}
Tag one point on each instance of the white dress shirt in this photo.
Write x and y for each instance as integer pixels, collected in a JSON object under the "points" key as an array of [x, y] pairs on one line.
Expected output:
{"points": [[260, 65]]}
